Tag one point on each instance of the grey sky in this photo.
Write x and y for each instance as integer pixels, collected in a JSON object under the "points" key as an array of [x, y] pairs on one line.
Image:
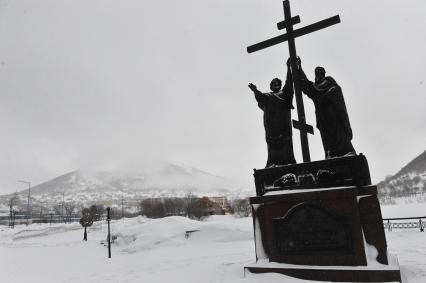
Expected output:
{"points": [[93, 84]]}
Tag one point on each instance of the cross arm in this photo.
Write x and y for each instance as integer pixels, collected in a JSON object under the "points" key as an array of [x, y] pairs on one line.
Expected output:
{"points": [[299, 32], [317, 26], [267, 43], [303, 127], [294, 20]]}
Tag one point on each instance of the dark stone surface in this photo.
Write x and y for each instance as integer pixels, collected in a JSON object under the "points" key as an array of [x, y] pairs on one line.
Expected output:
{"points": [[372, 225], [290, 38], [276, 106], [335, 172], [309, 228], [323, 227], [330, 111], [330, 275], [310, 195]]}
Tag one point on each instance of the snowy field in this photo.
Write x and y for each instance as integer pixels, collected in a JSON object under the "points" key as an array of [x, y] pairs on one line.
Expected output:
{"points": [[156, 250], [404, 208]]}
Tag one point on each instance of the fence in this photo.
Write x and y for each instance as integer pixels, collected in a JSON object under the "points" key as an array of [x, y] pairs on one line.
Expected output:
{"points": [[49, 218], [405, 223], [17, 219], [56, 219]]}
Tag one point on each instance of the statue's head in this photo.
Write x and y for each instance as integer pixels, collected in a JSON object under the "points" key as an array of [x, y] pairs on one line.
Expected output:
{"points": [[276, 85], [319, 74]]}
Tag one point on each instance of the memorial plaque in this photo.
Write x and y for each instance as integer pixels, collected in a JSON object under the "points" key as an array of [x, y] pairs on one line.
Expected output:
{"points": [[308, 228]]}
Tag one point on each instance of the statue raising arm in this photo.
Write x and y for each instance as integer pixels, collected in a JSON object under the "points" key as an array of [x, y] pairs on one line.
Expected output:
{"points": [[306, 85], [288, 90], [288, 86], [260, 97]]}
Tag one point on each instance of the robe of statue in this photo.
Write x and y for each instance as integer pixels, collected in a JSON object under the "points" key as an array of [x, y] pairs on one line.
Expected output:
{"points": [[277, 121], [331, 114]]}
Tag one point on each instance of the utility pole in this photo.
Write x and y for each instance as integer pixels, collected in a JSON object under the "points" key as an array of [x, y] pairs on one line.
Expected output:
{"points": [[41, 213], [122, 207], [109, 231], [11, 217], [62, 208], [29, 197]]}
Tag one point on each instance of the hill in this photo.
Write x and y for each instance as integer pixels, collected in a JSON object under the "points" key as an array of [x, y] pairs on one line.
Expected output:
{"points": [[160, 180], [407, 182]]}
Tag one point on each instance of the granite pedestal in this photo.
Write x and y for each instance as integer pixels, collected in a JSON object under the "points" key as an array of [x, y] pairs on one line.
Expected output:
{"points": [[332, 234]]}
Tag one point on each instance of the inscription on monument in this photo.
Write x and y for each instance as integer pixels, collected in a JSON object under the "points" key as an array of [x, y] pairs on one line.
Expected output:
{"points": [[310, 228]]}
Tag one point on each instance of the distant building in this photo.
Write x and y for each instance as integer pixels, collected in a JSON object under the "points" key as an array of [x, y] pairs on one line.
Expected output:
{"points": [[222, 202]]}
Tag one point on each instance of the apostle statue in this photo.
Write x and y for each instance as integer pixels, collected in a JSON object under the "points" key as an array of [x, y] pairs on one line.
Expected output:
{"points": [[276, 106], [330, 110]]}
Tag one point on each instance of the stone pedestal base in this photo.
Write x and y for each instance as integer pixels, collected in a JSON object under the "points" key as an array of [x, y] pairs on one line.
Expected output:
{"points": [[319, 229], [332, 275]]}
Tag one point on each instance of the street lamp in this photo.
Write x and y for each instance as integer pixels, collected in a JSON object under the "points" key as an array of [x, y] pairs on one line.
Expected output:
{"points": [[109, 231], [29, 195], [62, 207]]}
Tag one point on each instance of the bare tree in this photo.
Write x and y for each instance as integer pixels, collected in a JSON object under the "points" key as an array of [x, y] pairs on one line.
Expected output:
{"points": [[203, 207], [147, 207], [12, 202], [86, 221], [178, 206], [169, 207], [140, 207], [241, 207], [69, 209], [97, 210], [153, 208], [190, 200], [58, 208], [174, 206]]}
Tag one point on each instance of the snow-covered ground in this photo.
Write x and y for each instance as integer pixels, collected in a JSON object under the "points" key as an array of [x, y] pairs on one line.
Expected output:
{"points": [[156, 250], [404, 208]]}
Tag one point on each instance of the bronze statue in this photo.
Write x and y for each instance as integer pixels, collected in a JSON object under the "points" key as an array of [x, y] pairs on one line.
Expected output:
{"points": [[276, 106], [330, 110]]}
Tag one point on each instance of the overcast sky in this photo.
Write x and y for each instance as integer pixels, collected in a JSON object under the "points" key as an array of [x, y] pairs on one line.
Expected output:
{"points": [[95, 84]]}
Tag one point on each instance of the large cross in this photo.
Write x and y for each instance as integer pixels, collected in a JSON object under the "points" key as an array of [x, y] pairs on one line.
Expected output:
{"points": [[289, 37]]}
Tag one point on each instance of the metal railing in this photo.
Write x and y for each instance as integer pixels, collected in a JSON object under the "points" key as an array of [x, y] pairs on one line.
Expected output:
{"points": [[48, 218], [404, 223]]}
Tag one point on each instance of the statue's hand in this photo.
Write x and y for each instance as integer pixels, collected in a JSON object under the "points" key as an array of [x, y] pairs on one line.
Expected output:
{"points": [[252, 87], [288, 62]]}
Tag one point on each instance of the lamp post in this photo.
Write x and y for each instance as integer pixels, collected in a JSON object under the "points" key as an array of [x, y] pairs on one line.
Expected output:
{"points": [[29, 196], [51, 216], [62, 208], [11, 217], [109, 232]]}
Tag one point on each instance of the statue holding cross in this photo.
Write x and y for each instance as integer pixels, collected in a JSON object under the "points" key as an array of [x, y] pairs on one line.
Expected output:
{"points": [[276, 106], [330, 111], [290, 37]]}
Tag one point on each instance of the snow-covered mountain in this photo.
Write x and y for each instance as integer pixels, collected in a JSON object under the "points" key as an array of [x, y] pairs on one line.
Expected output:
{"points": [[170, 180], [160, 180], [410, 181]]}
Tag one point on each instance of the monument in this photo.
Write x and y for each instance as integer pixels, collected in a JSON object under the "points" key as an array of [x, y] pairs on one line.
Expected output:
{"points": [[276, 106], [330, 111], [319, 220]]}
